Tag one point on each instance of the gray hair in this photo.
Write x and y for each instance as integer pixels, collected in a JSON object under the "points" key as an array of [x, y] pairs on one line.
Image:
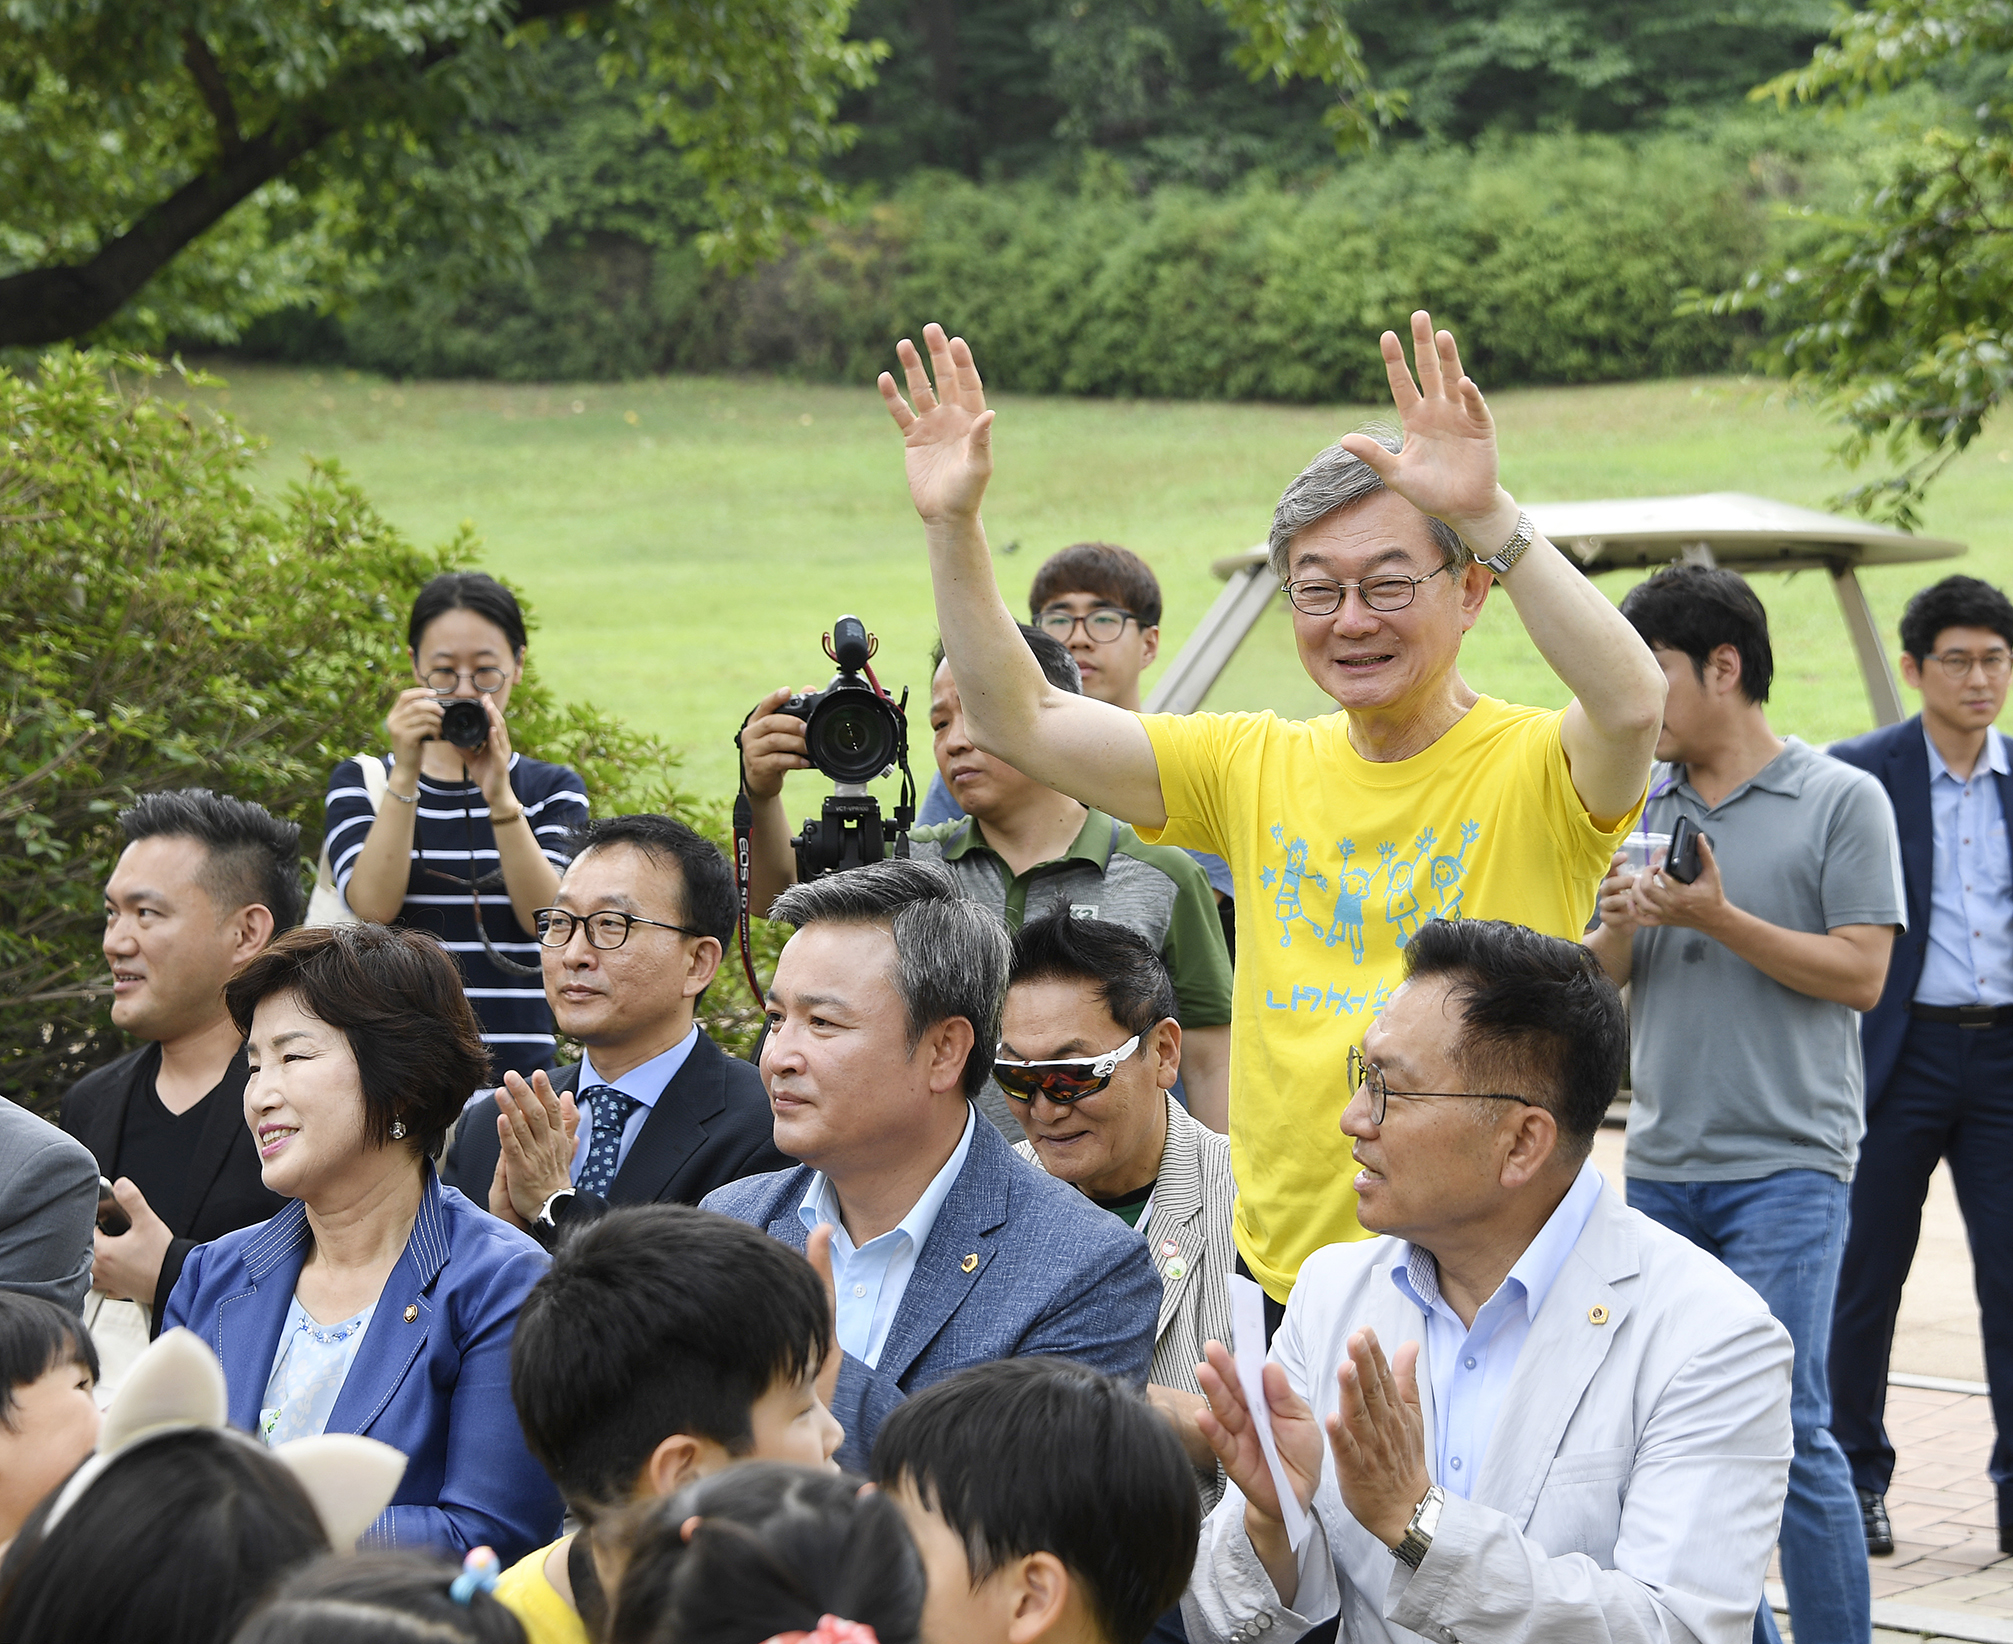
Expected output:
{"points": [[951, 953], [1336, 480]]}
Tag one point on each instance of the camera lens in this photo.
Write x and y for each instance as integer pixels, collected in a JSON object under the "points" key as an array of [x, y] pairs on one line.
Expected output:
{"points": [[464, 724], [852, 741]]}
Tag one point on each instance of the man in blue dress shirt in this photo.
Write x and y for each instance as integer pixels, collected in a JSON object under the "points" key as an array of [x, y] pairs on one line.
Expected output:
{"points": [[947, 1248], [1939, 1045]]}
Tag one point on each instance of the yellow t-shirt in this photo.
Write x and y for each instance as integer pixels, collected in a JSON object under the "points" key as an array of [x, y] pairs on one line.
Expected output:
{"points": [[525, 1593], [1337, 861]]}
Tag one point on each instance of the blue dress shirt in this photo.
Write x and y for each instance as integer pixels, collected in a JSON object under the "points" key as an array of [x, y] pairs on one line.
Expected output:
{"points": [[645, 1082], [872, 1280], [1471, 1365], [1969, 960]]}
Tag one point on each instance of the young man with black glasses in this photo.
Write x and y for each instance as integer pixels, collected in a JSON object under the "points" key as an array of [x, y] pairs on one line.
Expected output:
{"points": [[654, 1111], [1939, 1045]]}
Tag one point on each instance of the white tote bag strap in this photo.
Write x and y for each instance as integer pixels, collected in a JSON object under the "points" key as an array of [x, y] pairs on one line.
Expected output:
{"points": [[326, 906]]}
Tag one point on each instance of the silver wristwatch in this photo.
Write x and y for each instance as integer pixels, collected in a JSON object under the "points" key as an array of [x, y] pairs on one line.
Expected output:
{"points": [[544, 1217], [1419, 1533], [1513, 550]]}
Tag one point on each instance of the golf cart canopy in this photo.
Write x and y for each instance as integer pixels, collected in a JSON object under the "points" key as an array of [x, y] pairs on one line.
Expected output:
{"points": [[1730, 528]]}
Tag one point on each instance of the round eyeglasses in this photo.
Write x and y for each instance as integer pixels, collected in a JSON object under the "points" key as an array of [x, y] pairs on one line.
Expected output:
{"points": [[1369, 1077], [1103, 625], [1317, 596], [1957, 665], [606, 929], [1060, 1082], [446, 681]]}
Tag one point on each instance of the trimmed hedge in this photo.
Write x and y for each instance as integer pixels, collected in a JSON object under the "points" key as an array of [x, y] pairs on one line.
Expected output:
{"points": [[1557, 259]]}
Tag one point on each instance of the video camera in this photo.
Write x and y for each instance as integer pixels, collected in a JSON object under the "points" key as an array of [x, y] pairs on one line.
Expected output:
{"points": [[854, 732]]}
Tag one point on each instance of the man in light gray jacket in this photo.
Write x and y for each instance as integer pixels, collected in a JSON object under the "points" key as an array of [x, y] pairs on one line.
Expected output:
{"points": [[48, 1209], [1581, 1431]]}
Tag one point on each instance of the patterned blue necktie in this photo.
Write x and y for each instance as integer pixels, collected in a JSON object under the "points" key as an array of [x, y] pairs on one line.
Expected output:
{"points": [[610, 1109]]}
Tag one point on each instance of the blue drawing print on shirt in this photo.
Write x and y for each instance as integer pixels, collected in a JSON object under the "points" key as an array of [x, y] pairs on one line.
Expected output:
{"points": [[1442, 882], [1286, 905]]}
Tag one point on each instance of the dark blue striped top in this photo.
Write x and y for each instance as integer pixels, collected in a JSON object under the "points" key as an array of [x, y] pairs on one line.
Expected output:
{"points": [[516, 1020]]}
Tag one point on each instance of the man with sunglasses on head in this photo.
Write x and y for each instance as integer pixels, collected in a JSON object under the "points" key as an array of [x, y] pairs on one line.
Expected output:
{"points": [[1527, 1412], [1089, 1050], [1939, 1044], [1420, 800], [654, 1111]]}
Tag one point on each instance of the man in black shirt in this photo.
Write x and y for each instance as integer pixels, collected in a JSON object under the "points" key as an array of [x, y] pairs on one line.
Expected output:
{"points": [[204, 883]]}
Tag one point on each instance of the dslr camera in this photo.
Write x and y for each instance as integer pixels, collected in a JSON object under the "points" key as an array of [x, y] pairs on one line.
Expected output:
{"points": [[853, 732], [464, 723]]}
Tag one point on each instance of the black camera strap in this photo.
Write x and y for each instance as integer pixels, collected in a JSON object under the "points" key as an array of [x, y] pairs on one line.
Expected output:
{"points": [[476, 882], [744, 833]]}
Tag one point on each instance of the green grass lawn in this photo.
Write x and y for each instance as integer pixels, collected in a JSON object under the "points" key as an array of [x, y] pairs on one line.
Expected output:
{"points": [[685, 541]]}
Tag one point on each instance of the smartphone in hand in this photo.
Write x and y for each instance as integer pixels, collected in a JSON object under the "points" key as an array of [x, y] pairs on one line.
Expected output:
{"points": [[1681, 861], [112, 1217]]}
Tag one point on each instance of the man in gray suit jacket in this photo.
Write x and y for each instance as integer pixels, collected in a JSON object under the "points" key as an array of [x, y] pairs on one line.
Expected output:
{"points": [[946, 1249], [1583, 1432], [48, 1209]]}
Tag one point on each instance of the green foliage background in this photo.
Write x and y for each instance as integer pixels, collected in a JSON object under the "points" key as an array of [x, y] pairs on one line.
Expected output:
{"points": [[161, 625]]}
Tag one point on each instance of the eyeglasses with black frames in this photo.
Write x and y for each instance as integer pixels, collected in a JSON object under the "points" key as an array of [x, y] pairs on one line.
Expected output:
{"points": [[1317, 596], [1060, 1082], [1369, 1077], [1957, 665], [1103, 625], [446, 681], [606, 929]]}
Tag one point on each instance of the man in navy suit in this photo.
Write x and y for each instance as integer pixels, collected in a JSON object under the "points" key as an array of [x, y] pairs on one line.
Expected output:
{"points": [[663, 1114], [1939, 1045], [947, 1248]]}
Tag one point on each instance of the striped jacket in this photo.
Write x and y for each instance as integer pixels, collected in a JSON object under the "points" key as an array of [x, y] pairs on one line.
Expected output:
{"points": [[1188, 1234]]}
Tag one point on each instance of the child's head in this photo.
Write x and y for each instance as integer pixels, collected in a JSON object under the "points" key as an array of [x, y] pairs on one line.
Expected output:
{"points": [[764, 1549], [664, 1343], [1048, 1501], [48, 1411], [171, 1544], [380, 1598]]}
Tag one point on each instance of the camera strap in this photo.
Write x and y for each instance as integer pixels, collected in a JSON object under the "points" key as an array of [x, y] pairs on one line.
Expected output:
{"points": [[744, 832]]}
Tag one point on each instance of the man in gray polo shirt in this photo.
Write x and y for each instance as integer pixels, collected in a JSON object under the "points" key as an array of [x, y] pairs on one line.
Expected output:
{"points": [[1025, 850], [1746, 1107]]}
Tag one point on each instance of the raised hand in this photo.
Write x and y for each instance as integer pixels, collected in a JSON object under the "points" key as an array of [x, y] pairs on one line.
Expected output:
{"points": [[1228, 1426], [946, 428], [1378, 1436], [1448, 466]]}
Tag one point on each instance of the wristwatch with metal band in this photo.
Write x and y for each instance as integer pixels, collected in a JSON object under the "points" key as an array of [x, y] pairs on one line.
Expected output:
{"points": [[545, 1228], [1419, 1533], [1513, 550]]}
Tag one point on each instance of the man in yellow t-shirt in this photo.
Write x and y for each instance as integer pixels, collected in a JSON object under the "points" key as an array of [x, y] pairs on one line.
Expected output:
{"points": [[1421, 800]]}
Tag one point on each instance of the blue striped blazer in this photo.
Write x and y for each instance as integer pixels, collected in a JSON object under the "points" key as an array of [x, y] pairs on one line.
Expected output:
{"points": [[432, 1377]]}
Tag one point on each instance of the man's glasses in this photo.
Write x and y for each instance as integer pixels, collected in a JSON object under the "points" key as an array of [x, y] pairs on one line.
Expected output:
{"points": [[607, 929], [1320, 597], [1061, 1082], [1103, 625], [446, 681], [1369, 1077], [1958, 664]]}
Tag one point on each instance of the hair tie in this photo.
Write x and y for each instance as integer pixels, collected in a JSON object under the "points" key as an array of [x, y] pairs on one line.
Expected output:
{"points": [[831, 1629], [478, 1571]]}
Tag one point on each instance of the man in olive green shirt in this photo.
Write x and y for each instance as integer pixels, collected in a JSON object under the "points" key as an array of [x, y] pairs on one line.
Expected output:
{"points": [[1024, 850]]}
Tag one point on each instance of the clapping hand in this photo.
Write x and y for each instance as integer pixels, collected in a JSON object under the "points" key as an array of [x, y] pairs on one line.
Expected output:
{"points": [[1448, 466], [1233, 1434], [818, 1252], [948, 433], [537, 1132], [1378, 1436]]}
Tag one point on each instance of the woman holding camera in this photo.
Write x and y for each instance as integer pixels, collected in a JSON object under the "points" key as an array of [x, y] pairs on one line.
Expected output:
{"points": [[468, 838]]}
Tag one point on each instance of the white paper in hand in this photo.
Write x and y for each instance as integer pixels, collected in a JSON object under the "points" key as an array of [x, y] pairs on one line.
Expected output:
{"points": [[1247, 1328]]}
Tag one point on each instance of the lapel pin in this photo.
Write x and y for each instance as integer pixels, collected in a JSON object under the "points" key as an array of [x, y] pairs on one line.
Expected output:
{"points": [[1177, 1269], [970, 1261], [411, 1312], [1169, 1248], [1597, 1314]]}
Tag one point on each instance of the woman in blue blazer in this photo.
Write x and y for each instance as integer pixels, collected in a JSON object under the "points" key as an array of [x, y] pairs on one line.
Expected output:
{"points": [[378, 1302]]}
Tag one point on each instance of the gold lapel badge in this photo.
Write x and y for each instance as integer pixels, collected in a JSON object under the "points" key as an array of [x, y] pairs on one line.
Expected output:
{"points": [[411, 1312], [970, 1261], [1597, 1314]]}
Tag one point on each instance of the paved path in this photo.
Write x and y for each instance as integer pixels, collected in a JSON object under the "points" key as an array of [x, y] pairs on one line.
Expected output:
{"points": [[1947, 1577]]}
